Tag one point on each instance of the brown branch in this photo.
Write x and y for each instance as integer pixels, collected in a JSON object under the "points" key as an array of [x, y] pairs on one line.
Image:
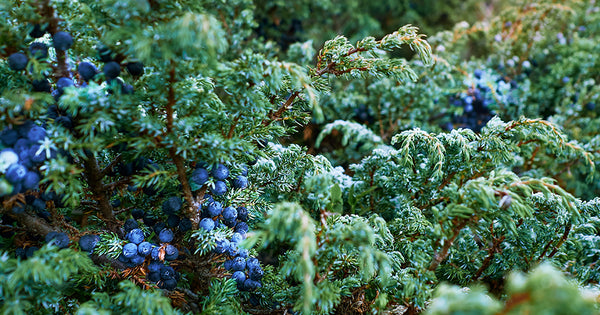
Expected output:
{"points": [[233, 125], [112, 163], [562, 240], [101, 194], [491, 253], [171, 98], [440, 256], [274, 116], [33, 223], [190, 211]]}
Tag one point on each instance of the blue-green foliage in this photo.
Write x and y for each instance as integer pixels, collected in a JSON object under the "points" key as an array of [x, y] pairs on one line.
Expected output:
{"points": [[42, 284], [367, 191]]}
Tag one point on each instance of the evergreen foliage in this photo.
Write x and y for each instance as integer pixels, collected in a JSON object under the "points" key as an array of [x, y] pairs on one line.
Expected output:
{"points": [[315, 157]]}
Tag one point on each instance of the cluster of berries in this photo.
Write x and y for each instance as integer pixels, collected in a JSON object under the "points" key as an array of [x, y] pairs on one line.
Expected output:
{"points": [[60, 240], [246, 270], [475, 102], [21, 157]]}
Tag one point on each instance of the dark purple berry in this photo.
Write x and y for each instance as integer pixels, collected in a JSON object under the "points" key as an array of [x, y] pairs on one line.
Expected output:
{"points": [[41, 85], [37, 31], [15, 173], [17, 61], [219, 189], [220, 172], [88, 242], [62, 41], [31, 180], [136, 69], [165, 236], [111, 70], [39, 50], [172, 205], [9, 137], [87, 70], [130, 250], [63, 83]]}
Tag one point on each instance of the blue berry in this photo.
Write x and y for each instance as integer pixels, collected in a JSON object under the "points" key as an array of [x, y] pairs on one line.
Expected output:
{"points": [[220, 172], [241, 227], [159, 226], [31, 180], [144, 248], [242, 252], [36, 133], [9, 137], [30, 251], [137, 259], [62, 41], [207, 224], [63, 83], [87, 70], [36, 155], [153, 276], [61, 240], [130, 250], [25, 159], [199, 176], [18, 208], [17, 61], [250, 284], [239, 264], [169, 284], [219, 189], [148, 219], [214, 209], [245, 170], [41, 85], [239, 277], [172, 205], [165, 236], [25, 127], [227, 264], [230, 223], [39, 205], [232, 249], [135, 236], [173, 221], [222, 245], [154, 266], [252, 263], [136, 69], [229, 213], [39, 50], [122, 258], [171, 252], [255, 273], [185, 225], [590, 106], [167, 272], [237, 237], [111, 70], [242, 214], [240, 182], [137, 213], [8, 157], [130, 224], [15, 173], [37, 31]]}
